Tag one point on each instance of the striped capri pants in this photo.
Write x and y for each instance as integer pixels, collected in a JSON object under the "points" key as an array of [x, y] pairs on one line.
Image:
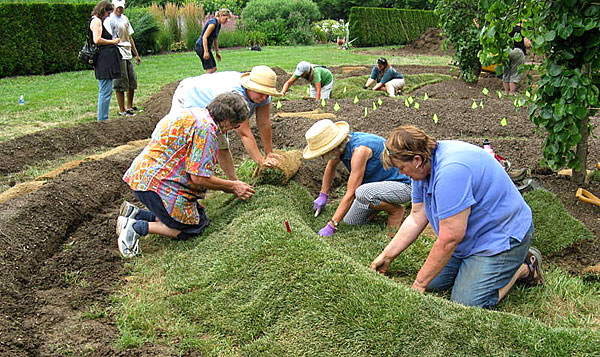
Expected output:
{"points": [[372, 194]]}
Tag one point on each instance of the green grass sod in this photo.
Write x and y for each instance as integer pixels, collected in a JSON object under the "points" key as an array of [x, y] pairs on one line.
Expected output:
{"points": [[247, 287], [70, 98]]}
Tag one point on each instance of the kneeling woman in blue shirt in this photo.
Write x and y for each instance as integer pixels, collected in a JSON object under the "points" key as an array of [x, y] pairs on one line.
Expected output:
{"points": [[370, 188], [484, 226], [387, 78]]}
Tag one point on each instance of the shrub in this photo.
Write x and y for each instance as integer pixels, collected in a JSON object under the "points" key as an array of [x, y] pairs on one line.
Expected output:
{"points": [[232, 38], [282, 21], [379, 27], [190, 16], [328, 30], [146, 29], [255, 38]]}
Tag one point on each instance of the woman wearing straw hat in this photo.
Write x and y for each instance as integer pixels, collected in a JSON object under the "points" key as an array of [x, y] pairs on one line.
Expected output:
{"points": [[319, 77], [387, 78], [370, 188], [209, 36], [256, 87]]}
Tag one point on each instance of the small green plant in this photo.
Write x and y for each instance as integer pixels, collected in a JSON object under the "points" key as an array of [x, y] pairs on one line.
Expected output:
{"points": [[76, 278], [94, 311]]}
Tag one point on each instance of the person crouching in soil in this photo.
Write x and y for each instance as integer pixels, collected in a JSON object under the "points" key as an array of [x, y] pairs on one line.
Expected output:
{"points": [[319, 77], [370, 188], [175, 170], [387, 78], [483, 225]]}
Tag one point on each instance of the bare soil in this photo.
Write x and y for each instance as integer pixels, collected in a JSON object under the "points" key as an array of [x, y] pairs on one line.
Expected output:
{"points": [[58, 256]]}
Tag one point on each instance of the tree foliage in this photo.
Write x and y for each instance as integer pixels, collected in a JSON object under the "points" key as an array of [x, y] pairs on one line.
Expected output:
{"points": [[457, 20], [567, 34]]}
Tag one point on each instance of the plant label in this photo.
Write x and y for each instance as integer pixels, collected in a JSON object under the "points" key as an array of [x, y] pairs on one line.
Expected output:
{"points": [[336, 107]]}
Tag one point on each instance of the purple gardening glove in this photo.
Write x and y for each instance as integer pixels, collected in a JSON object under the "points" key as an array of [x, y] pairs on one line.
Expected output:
{"points": [[320, 203], [327, 231]]}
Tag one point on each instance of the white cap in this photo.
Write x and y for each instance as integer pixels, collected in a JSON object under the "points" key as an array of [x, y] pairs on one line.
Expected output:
{"points": [[301, 68], [118, 3]]}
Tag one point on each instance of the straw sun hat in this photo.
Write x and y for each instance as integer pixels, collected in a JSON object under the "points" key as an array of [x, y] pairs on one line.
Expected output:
{"points": [[261, 79], [324, 136]]}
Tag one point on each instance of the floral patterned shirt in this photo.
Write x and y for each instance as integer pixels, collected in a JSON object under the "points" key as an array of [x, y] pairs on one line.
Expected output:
{"points": [[181, 146]]}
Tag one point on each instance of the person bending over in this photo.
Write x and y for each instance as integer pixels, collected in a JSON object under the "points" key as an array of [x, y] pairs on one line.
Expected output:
{"points": [[387, 78]]}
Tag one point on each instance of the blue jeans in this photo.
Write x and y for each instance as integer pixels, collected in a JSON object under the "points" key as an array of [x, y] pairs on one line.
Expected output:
{"points": [[104, 93], [475, 280]]}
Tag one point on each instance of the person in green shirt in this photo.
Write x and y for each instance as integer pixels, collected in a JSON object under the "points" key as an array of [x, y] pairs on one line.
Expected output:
{"points": [[319, 77]]}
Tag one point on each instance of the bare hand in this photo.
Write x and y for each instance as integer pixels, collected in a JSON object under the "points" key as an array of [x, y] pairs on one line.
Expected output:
{"points": [[218, 55], [206, 56], [272, 159], [117, 40], [381, 264], [242, 190], [138, 59], [418, 287]]}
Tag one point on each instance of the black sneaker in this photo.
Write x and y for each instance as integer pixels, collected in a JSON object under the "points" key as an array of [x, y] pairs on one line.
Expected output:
{"points": [[127, 113], [135, 109]]}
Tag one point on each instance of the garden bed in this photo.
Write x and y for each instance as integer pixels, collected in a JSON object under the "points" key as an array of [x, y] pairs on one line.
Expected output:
{"points": [[58, 249]]}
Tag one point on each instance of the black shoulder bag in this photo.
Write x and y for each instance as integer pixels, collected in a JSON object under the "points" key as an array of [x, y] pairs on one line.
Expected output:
{"points": [[89, 52]]}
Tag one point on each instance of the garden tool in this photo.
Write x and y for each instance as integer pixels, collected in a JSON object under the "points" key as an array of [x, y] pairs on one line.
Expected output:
{"points": [[586, 196], [320, 202]]}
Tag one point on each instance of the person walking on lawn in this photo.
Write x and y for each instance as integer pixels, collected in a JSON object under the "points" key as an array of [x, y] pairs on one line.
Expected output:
{"points": [[387, 78], [370, 189], [256, 87], [175, 170], [319, 77], [119, 26], [210, 37], [483, 225]]}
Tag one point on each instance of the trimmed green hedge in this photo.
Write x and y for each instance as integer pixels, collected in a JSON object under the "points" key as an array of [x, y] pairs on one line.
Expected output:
{"points": [[373, 26], [42, 38]]}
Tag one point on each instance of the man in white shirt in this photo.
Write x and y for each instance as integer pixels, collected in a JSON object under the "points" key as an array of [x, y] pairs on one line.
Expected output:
{"points": [[119, 27]]}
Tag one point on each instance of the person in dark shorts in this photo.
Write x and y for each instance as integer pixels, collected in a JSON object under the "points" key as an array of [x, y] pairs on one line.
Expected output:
{"points": [[210, 34], [175, 170]]}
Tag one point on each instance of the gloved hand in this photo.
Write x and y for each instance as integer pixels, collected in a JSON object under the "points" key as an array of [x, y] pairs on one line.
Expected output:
{"points": [[327, 231], [364, 87], [319, 203]]}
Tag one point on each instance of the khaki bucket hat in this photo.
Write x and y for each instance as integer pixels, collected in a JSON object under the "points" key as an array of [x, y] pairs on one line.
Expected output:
{"points": [[324, 136], [261, 79]]}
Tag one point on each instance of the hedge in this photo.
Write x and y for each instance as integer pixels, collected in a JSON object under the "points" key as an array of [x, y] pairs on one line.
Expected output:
{"points": [[373, 26], [42, 38]]}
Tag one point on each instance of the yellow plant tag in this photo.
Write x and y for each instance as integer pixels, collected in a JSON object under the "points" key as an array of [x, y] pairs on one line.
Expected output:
{"points": [[336, 107], [435, 118]]}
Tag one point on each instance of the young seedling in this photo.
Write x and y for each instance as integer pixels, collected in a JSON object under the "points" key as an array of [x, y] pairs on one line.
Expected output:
{"points": [[474, 105], [279, 105], [355, 99], [336, 107], [503, 122], [435, 118], [485, 91]]}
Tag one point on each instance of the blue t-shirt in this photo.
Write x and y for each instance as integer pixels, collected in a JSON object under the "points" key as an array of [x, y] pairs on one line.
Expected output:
{"points": [[374, 172], [201, 90], [213, 35], [463, 176], [387, 76]]}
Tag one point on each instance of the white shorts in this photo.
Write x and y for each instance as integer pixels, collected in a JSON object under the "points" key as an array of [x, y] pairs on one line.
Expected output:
{"points": [[397, 83], [325, 91]]}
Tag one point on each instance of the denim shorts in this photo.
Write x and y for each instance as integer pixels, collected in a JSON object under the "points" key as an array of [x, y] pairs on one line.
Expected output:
{"points": [[475, 280]]}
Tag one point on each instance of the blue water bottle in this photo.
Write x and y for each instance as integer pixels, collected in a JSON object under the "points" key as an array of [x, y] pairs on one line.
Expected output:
{"points": [[21, 100]]}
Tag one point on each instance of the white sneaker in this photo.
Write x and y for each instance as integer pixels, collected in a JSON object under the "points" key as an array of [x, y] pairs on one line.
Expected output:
{"points": [[129, 240], [128, 210]]}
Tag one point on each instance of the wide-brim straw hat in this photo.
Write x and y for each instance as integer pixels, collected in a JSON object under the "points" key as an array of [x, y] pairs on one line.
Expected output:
{"points": [[261, 79], [324, 136]]}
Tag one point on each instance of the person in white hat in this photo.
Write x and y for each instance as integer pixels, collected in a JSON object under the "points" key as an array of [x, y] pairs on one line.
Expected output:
{"points": [[319, 77], [118, 25], [370, 187], [256, 87]]}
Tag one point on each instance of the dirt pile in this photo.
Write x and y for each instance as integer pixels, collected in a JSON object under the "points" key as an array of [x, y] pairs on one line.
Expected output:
{"points": [[430, 42]]}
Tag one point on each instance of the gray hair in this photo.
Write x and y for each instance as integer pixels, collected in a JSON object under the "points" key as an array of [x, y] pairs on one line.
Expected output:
{"points": [[229, 106]]}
